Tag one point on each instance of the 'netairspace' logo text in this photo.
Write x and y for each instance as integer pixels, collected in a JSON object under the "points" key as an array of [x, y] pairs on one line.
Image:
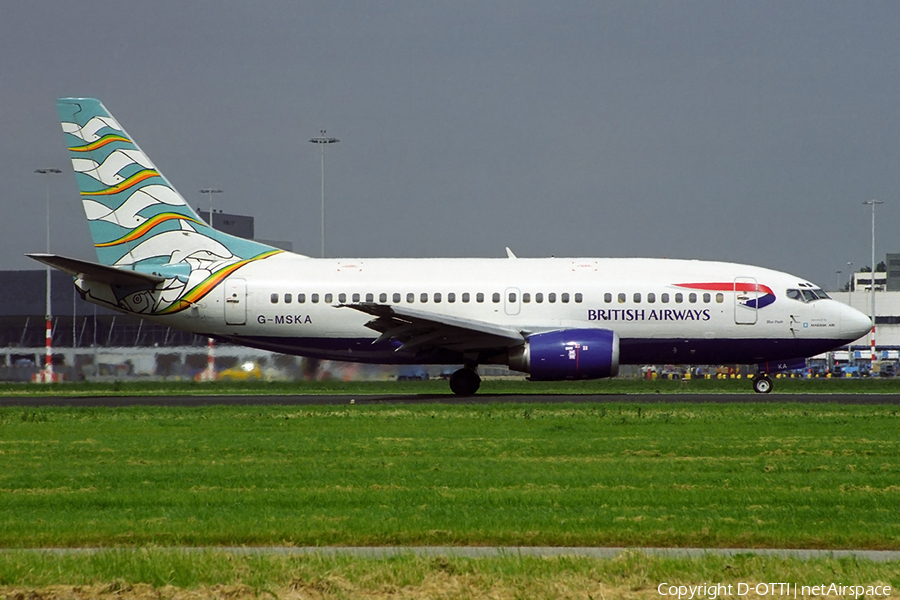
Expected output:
{"points": [[711, 591]]}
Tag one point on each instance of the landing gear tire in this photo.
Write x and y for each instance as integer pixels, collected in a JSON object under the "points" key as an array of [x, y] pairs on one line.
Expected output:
{"points": [[762, 384], [465, 382]]}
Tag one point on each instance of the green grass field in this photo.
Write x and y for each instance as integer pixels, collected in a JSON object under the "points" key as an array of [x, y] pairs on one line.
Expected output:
{"points": [[135, 480], [761, 475]]}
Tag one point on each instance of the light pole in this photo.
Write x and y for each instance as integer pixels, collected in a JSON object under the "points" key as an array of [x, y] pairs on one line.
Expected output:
{"points": [[209, 192], [323, 141], [48, 361], [837, 280], [210, 373], [850, 285], [873, 204]]}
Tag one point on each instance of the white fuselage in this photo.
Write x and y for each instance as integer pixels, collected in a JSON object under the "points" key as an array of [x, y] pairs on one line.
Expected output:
{"points": [[674, 311]]}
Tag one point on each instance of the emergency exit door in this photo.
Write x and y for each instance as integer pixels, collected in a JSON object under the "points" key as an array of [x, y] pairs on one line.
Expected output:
{"points": [[746, 296], [235, 301]]}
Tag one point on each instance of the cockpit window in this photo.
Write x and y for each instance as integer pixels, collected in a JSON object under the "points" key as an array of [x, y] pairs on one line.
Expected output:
{"points": [[807, 295]]}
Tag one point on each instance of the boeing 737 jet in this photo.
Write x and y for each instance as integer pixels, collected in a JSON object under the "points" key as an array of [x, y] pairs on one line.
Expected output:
{"points": [[553, 318]]}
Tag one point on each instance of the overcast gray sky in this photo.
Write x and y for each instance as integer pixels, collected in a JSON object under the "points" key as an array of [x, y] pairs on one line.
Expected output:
{"points": [[740, 131]]}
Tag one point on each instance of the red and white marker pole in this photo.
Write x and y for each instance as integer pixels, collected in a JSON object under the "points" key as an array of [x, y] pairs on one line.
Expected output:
{"points": [[872, 367], [48, 359]]}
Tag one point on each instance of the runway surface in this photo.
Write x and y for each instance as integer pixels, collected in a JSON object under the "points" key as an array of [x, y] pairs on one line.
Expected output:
{"points": [[333, 400]]}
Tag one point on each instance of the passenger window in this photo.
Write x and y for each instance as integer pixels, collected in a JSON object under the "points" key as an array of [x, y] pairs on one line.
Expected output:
{"points": [[479, 297], [607, 297], [273, 298], [437, 297], [539, 297], [423, 297], [382, 297], [526, 297], [512, 297], [692, 298], [342, 297], [551, 297], [465, 297], [314, 298], [679, 298], [651, 297], [355, 297], [637, 297], [664, 298], [621, 298], [578, 298], [707, 297], [288, 298], [301, 298], [410, 298], [495, 297], [451, 297], [395, 297], [329, 298], [564, 297], [720, 297]]}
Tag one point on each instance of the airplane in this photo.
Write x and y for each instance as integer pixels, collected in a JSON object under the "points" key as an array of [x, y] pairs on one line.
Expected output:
{"points": [[553, 318]]}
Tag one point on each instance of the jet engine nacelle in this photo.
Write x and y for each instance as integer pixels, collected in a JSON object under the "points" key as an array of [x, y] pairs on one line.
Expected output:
{"points": [[568, 354]]}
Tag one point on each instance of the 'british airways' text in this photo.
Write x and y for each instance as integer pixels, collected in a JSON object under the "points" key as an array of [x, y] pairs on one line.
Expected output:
{"points": [[641, 314]]}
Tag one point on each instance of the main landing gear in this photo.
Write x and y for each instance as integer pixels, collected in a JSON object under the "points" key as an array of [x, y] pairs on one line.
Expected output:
{"points": [[762, 384], [465, 381]]}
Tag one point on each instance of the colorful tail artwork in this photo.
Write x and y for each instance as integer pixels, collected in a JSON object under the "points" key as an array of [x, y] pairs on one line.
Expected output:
{"points": [[138, 220]]}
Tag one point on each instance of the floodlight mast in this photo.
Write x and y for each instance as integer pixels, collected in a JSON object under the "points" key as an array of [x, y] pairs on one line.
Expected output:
{"points": [[323, 141], [873, 204], [209, 192], [47, 373]]}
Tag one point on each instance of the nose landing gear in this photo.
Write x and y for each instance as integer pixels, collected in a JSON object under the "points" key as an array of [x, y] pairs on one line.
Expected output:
{"points": [[762, 384]]}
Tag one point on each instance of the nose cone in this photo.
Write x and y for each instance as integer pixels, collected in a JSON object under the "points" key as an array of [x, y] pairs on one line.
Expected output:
{"points": [[854, 324]]}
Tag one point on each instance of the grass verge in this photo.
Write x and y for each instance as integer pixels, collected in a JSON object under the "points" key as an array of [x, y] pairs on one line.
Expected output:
{"points": [[154, 573]]}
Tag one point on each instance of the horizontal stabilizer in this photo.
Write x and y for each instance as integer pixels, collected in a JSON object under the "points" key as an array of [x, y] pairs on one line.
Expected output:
{"points": [[97, 272]]}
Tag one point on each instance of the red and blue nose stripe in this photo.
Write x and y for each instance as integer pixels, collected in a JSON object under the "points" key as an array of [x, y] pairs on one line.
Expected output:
{"points": [[765, 295]]}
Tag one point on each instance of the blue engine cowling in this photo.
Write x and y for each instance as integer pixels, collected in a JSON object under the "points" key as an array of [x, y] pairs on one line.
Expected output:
{"points": [[568, 354]]}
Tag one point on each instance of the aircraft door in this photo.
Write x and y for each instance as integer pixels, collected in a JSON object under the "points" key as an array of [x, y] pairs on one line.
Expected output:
{"points": [[746, 294], [512, 301], [235, 301]]}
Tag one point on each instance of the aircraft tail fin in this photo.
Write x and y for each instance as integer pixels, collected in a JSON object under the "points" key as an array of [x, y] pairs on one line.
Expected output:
{"points": [[137, 219]]}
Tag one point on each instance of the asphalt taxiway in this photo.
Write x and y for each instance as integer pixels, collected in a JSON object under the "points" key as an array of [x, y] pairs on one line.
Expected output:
{"points": [[337, 400]]}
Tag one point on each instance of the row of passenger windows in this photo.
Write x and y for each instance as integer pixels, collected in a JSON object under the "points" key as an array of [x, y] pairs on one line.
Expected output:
{"points": [[436, 297], [664, 298]]}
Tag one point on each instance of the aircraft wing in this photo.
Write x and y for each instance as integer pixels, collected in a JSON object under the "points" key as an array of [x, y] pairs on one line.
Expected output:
{"points": [[97, 272], [417, 329]]}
